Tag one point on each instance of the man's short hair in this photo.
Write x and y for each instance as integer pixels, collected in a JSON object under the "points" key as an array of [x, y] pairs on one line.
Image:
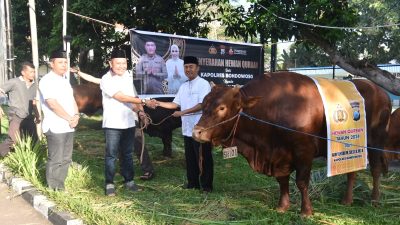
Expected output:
{"points": [[58, 54], [190, 60], [118, 53], [26, 64]]}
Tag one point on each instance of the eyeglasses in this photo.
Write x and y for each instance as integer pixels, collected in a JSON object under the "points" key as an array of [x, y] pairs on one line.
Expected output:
{"points": [[174, 51]]}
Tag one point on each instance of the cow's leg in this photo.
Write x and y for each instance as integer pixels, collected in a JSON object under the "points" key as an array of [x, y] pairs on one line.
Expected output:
{"points": [[348, 195], [377, 161], [302, 182], [167, 142], [376, 167], [284, 201], [376, 180]]}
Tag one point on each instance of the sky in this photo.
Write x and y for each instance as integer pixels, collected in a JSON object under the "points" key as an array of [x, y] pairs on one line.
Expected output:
{"points": [[281, 46], [240, 2]]}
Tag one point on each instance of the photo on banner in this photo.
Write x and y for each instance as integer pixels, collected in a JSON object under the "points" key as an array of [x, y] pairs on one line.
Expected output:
{"points": [[157, 61]]}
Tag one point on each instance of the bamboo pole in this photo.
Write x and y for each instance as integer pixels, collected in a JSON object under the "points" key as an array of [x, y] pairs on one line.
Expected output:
{"points": [[9, 41], [35, 60]]}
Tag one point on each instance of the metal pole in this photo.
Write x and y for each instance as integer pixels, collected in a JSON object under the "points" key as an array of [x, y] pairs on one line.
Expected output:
{"points": [[273, 55], [35, 60], [333, 71]]}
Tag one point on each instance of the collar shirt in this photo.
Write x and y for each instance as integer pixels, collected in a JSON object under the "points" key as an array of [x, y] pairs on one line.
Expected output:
{"points": [[190, 94], [116, 114], [20, 96], [53, 86]]}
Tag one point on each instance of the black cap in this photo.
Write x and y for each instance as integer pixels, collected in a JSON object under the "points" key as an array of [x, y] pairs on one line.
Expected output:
{"points": [[118, 53], [58, 54], [190, 60]]}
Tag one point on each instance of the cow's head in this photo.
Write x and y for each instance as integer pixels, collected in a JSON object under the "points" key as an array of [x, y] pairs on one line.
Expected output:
{"points": [[220, 105]]}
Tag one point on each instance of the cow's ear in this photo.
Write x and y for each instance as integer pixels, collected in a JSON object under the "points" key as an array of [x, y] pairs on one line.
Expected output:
{"points": [[212, 84], [249, 102], [236, 88]]}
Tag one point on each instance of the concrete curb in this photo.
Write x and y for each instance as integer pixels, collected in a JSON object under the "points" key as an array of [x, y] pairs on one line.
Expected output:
{"points": [[36, 199]]}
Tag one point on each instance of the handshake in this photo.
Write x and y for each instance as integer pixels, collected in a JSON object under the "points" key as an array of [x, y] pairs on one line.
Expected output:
{"points": [[152, 103]]}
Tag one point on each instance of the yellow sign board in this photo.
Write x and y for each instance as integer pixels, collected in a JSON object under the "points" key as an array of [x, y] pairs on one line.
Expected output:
{"points": [[346, 126]]}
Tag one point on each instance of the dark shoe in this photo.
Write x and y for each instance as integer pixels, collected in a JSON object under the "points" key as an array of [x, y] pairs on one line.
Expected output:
{"points": [[168, 157], [110, 190], [131, 186], [147, 176], [167, 154], [57, 189], [207, 190], [187, 186]]}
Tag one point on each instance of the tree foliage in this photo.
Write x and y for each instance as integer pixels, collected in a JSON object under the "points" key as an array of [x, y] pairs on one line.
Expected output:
{"points": [[184, 17], [302, 55], [357, 51]]}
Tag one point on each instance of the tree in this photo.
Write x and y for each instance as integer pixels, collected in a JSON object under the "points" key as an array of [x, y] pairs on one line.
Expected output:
{"points": [[267, 17], [302, 55], [21, 28], [183, 17]]}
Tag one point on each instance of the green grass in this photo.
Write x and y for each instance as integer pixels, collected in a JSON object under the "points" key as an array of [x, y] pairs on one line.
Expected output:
{"points": [[240, 195]]}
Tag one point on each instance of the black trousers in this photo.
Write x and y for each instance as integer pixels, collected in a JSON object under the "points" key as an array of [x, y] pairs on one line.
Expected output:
{"points": [[18, 126], [192, 155]]}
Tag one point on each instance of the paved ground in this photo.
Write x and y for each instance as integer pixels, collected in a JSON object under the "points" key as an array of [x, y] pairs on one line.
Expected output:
{"points": [[14, 210]]}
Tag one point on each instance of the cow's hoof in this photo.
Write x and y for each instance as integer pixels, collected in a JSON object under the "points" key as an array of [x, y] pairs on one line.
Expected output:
{"points": [[306, 211], [346, 202], [306, 214], [282, 209], [375, 203]]}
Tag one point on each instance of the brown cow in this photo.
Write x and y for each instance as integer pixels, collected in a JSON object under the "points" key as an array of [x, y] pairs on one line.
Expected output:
{"points": [[393, 140], [291, 100], [88, 98]]}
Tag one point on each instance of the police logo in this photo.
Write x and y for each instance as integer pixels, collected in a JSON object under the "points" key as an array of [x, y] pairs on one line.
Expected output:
{"points": [[212, 50], [355, 105], [340, 115]]}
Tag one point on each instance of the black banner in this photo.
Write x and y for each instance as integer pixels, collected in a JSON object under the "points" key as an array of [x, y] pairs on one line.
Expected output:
{"points": [[158, 66]]}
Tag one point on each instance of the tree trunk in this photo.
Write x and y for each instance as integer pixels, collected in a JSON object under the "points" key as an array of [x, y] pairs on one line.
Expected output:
{"points": [[361, 68]]}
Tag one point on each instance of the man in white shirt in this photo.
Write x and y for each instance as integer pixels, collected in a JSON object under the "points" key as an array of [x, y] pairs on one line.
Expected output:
{"points": [[119, 121], [60, 119], [189, 98]]}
